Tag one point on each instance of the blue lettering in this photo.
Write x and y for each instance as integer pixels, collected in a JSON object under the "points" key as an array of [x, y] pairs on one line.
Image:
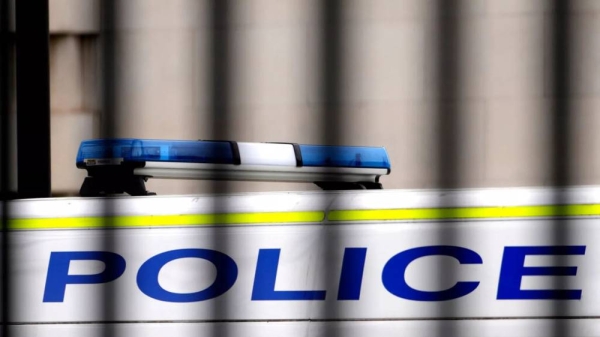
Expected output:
{"points": [[58, 272], [264, 281], [394, 281], [353, 266], [147, 277], [513, 270]]}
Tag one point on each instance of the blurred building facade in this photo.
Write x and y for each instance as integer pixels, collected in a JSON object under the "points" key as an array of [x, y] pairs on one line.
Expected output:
{"points": [[388, 83]]}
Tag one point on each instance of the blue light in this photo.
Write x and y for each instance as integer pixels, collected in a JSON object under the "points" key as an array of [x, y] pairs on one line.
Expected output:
{"points": [[141, 150], [115, 151], [345, 156]]}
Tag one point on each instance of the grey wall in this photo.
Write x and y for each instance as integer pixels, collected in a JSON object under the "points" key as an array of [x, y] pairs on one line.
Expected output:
{"points": [[389, 83]]}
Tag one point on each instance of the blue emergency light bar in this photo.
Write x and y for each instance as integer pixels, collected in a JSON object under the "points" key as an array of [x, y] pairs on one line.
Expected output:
{"points": [[331, 167], [105, 151]]}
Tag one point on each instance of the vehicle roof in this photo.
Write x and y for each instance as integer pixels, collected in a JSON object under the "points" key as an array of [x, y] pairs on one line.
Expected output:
{"points": [[301, 201]]}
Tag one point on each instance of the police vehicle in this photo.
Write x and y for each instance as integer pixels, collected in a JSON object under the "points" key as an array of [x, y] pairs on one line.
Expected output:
{"points": [[351, 260]]}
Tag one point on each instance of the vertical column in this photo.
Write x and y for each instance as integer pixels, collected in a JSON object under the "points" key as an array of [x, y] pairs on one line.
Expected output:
{"points": [[219, 66], [110, 89], [33, 99], [561, 83], [331, 71], [447, 116], [5, 168], [448, 91], [332, 123], [560, 142]]}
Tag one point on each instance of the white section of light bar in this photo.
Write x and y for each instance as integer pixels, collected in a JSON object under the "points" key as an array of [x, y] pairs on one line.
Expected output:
{"points": [[166, 170], [267, 154]]}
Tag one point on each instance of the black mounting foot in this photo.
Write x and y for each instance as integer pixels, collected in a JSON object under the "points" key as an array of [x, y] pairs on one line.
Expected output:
{"points": [[116, 181], [344, 186]]}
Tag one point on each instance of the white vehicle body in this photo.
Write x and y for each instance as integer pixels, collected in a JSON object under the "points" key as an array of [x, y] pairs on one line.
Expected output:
{"points": [[355, 263]]}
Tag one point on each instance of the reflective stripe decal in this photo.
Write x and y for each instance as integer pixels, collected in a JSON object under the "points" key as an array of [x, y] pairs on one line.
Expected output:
{"points": [[465, 213], [270, 218], [167, 220]]}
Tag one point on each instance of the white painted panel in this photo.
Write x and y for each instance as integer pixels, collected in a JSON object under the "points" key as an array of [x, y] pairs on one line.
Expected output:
{"points": [[165, 205], [464, 198], [310, 259]]}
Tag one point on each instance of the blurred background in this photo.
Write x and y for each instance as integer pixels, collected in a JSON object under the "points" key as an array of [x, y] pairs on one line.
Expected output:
{"points": [[393, 86]]}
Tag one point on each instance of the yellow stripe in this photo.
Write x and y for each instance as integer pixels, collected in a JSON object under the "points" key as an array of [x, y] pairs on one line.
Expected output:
{"points": [[465, 213], [166, 220], [305, 217]]}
